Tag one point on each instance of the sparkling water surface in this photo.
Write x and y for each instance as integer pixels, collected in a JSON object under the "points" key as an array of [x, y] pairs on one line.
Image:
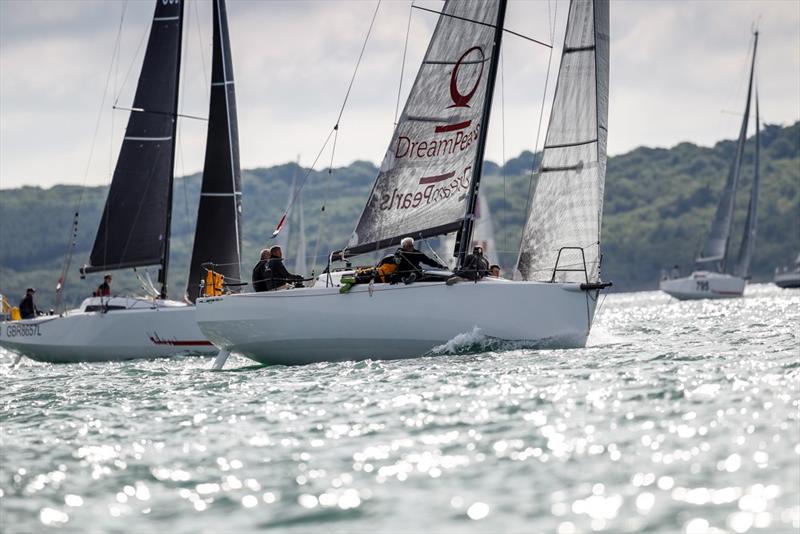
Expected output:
{"points": [[678, 417]]}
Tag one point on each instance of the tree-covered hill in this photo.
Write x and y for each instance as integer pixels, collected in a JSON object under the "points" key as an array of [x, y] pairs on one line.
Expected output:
{"points": [[658, 207]]}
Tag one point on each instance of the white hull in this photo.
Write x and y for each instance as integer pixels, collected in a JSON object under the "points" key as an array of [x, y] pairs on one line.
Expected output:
{"points": [[301, 326], [138, 328], [787, 280], [704, 285]]}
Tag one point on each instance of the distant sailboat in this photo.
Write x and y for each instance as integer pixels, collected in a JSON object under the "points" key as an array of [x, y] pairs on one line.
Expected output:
{"points": [[135, 228], [432, 191], [483, 236], [722, 282], [788, 278], [294, 205]]}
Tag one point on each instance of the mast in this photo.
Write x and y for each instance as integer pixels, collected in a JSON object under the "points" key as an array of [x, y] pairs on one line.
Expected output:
{"points": [[162, 273], [751, 224], [472, 196]]}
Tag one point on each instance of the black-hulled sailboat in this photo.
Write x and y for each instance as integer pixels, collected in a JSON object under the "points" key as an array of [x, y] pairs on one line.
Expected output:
{"points": [[428, 186], [714, 277], [135, 227]]}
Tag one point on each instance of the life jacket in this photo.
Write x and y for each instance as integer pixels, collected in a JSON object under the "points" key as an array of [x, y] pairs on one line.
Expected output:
{"points": [[386, 268]]}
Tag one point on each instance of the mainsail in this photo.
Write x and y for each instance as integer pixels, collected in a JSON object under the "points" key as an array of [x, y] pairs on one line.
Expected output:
{"points": [[716, 245], [217, 237], [134, 230], [426, 177], [567, 206], [749, 239]]}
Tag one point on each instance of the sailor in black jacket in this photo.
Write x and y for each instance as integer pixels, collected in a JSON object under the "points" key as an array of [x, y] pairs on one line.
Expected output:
{"points": [[410, 260], [279, 276], [27, 309], [261, 273]]}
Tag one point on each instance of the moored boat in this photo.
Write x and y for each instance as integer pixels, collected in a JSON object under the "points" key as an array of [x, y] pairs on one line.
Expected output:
{"points": [[427, 187]]}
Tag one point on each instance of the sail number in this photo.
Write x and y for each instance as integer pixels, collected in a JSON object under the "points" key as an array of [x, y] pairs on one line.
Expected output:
{"points": [[702, 285], [22, 330]]}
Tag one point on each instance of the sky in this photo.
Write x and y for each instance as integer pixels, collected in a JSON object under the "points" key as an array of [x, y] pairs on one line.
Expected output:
{"points": [[678, 73]]}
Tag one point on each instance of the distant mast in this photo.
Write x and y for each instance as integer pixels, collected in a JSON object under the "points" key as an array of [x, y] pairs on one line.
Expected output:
{"points": [[715, 248], [217, 237], [748, 245]]}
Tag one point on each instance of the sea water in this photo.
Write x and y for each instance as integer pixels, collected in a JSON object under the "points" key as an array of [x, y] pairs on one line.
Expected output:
{"points": [[678, 417]]}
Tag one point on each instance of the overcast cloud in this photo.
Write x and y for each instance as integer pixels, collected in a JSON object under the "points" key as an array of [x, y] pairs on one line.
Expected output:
{"points": [[678, 73]]}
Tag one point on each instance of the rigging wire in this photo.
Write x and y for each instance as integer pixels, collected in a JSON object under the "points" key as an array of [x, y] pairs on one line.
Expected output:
{"points": [[403, 63], [73, 234], [503, 148]]}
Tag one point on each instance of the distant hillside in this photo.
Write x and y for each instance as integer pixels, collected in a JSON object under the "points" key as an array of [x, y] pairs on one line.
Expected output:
{"points": [[658, 207]]}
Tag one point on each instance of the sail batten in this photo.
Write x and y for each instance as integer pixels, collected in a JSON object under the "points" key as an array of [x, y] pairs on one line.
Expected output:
{"points": [[132, 228], [563, 227], [217, 237], [426, 176], [715, 248]]}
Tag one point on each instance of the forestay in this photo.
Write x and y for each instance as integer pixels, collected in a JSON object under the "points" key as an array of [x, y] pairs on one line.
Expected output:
{"points": [[425, 176], [217, 234], [567, 206], [133, 230], [716, 245]]}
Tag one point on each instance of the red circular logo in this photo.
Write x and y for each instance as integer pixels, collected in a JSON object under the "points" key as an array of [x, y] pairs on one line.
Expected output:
{"points": [[462, 100]]}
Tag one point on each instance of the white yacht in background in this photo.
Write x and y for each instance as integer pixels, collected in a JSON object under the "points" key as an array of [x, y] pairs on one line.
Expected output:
{"points": [[432, 192], [788, 278], [713, 280], [135, 228]]}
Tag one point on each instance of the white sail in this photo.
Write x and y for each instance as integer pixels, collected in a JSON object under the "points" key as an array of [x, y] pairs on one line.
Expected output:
{"points": [[426, 174], [567, 206], [300, 264]]}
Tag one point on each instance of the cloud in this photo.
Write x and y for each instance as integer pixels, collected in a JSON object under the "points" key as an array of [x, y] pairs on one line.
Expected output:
{"points": [[675, 67]]}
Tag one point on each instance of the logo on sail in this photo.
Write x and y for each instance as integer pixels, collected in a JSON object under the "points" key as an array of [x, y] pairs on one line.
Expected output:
{"points": [[461, 100]]}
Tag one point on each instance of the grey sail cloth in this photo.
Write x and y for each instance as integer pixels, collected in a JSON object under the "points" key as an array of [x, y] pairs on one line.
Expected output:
{"points": [[567, 206], [751, 223], [716, 246], [422, 186], [217, 236], [133, 228]]}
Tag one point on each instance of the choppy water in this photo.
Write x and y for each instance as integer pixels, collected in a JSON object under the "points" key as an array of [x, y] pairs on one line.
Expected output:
{"points": [[678, 417]]}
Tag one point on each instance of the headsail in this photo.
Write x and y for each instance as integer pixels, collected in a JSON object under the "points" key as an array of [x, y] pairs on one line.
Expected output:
{"points": [[134, 229], [217, 235], [567, 206], [751, 224], [716, 245], [426, 174]]}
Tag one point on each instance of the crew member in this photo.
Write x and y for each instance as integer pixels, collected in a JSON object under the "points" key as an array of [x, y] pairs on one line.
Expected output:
{"points": [[280, 277], [261, 272], [494, 270], [408, 266], [104, 289], [27, 309], [475, 265]]}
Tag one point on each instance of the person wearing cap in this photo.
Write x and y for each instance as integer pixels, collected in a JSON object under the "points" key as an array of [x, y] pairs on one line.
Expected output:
{"points": [[475, 266], [409, 260], [104, 289], [27, 309]]}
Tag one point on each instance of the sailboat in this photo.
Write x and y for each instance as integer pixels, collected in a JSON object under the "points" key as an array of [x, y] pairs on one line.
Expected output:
{"points": [[428, 186], [295, 203], [135, 228], [787, 278], [712, 279]]}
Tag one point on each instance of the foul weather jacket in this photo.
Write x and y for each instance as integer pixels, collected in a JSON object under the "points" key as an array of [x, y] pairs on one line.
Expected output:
{"points": [[411, 259]]}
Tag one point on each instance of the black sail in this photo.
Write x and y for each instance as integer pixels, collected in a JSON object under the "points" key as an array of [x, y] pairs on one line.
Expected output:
{"points": [[217, 237], [134, 229]]}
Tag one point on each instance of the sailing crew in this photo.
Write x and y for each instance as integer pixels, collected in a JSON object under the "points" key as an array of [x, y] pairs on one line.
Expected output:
{"points": [[475, 266], [494, 270], [27, 309], [104, 289], [261, 272], [408, 266], [279, 277]]}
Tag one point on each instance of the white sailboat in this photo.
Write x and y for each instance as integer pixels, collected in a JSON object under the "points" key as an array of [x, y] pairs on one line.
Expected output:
{"points": [[135, 228], [788, 278], [428, 186], [295, 204], [712, 280]]}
